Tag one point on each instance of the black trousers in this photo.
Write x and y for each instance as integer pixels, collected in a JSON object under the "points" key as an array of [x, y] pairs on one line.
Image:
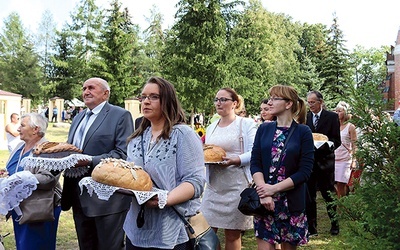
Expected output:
{"points": [[99, 233], [324, 182]]}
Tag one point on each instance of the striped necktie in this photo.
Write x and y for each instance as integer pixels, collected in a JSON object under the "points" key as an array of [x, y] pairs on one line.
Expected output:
{"points": [[79, 136], [316, 120]]}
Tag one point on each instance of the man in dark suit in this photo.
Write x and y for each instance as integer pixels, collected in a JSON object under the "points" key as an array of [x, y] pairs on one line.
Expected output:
{"points": [[100, 131], [323, 176]]}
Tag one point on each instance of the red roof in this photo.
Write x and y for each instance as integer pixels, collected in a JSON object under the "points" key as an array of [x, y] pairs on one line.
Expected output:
{"points": [[6, 93]]}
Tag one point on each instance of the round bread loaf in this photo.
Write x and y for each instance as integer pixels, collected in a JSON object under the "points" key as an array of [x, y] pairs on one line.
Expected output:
{"points": [[213, 153], [320, 137], [122, 174]]}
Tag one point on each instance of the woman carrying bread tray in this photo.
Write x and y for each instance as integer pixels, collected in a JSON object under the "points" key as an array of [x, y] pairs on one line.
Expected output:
{"points": [[227, 179], [30, 234], [171, 153], [281, 163]]}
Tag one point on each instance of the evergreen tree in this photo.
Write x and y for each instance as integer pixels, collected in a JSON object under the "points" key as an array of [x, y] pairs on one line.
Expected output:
{"points": [[336, 68], [372, 211], [45, 38], [19, 64], [114, 58], [195, 51], [85, 31], [63, 77], [153, 45]]}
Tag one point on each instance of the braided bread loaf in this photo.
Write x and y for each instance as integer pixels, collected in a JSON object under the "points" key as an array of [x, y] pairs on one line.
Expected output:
{"points": [[55, 149]]}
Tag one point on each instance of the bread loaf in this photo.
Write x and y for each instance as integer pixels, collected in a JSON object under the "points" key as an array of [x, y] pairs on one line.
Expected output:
{"points": [[122, 174], [213, 153], [55, 150], [320, 137]]}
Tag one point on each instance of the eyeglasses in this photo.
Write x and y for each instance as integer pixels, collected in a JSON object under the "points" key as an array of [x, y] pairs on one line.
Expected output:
{"points": [[152, 98], [222, 100], [312, 103], [273, 99]]}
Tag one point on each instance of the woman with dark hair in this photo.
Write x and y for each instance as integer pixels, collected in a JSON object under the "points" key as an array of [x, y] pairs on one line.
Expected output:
{"points": [[264, 112], [172, 154], [281, 163], [227, 179]]}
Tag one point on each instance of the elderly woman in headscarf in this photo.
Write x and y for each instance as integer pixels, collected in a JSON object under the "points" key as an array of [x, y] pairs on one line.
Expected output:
{"points": [[37, 235]]}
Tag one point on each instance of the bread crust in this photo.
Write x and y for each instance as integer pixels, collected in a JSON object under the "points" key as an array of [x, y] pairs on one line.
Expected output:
{"points": [[320, 137], [213, 153], [122, 174], [54, 147]]}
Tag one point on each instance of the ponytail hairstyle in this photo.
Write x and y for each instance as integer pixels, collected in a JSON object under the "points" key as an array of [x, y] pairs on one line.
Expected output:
{"points": [[298, 109]]}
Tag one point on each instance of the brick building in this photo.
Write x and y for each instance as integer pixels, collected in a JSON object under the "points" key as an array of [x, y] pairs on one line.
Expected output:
{"points": [[391, 90]]}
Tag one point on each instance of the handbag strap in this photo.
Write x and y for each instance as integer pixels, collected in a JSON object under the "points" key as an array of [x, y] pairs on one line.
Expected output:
{"points": [[184, 220]]}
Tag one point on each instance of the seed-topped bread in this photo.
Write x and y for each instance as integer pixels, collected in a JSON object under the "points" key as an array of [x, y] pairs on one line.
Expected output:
{"points": [[123, 174]]}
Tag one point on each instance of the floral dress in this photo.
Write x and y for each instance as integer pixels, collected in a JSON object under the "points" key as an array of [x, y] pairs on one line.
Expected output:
{"points": [[282, 226]]}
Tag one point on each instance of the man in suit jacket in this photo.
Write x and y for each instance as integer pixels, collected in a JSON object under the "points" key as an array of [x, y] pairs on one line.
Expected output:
{"points": [[323, 173], [103, 134]]}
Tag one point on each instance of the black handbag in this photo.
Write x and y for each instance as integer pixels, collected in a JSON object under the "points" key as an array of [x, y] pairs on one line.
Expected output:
{"points": [[250, 203], [201, 235]]}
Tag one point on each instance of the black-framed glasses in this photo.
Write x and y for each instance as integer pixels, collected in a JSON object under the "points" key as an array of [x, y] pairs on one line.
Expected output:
{"points": [[273, 99], [151, 97], [222, 100]]}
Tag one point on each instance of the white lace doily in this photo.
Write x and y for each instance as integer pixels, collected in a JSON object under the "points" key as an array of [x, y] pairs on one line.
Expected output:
{"points": [[66, 163], [318, 144], [15, 188], [104, 192]]}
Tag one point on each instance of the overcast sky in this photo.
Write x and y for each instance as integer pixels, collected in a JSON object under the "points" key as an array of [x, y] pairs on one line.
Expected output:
{"points": [[366, 23]]}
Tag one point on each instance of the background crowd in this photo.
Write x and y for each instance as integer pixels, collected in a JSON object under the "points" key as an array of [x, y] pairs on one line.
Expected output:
{"points": [[277, 153]]}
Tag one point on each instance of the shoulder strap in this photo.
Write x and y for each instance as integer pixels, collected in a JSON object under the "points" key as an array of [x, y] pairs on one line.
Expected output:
{"points": [[283, 149], [184, 220]]}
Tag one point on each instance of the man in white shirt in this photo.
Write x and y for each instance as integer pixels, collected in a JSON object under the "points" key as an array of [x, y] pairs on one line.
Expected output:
{"points": [[12, 132]]}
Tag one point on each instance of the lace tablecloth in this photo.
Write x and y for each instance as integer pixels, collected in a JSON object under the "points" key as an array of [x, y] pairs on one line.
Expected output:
{"points": [[66, 163], [104, 192], [15, 188]]}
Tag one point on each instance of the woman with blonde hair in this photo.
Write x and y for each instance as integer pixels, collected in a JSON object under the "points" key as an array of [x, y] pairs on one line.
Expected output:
{"points": [[281, 162], [344, 154]]}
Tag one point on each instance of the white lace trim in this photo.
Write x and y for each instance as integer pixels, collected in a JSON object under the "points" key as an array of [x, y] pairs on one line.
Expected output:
{"points": [[15, 188], [66, 163], [104, 192]]}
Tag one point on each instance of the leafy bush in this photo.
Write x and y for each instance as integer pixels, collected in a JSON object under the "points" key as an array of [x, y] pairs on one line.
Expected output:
{"points": [[372, 211]]}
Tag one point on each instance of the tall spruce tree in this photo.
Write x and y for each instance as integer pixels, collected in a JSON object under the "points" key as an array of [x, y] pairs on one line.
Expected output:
{"points": [[114, 59], [19, 63], [63, 75], [85, 31], [153, 45], [336, 67], [45, 38]]}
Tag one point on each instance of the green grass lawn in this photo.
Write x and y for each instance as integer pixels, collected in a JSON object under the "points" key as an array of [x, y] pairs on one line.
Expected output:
{"points": [[66, 237]]}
